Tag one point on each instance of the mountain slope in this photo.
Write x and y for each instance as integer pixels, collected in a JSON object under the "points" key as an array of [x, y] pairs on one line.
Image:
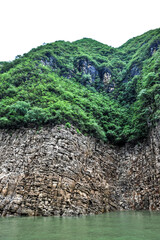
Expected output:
{"points": [[112, 94]]}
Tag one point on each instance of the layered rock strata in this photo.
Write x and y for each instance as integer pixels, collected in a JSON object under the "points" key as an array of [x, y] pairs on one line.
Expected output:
{"points": [[138, 174], [56, 171]]}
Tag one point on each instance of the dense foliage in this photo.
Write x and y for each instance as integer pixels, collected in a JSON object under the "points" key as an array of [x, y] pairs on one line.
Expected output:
{"points": [[112, 94]]}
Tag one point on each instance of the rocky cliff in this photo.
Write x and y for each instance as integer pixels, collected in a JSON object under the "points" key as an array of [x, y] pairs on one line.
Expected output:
{"points": [[56, 171]]}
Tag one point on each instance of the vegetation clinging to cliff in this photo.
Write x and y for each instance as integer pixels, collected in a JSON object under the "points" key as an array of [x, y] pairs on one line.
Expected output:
{"points": [[112, 94]]}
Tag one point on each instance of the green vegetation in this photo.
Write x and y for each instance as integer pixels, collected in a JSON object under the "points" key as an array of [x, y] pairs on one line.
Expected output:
{"points": [[111, 94]]}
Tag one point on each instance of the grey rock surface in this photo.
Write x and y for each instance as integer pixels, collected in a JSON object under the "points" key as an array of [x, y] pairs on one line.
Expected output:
{"points": [[56, 171]]}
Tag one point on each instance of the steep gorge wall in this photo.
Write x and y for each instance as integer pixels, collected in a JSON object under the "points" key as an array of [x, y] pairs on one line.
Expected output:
{"points": [[56, 171], [138, 174]]}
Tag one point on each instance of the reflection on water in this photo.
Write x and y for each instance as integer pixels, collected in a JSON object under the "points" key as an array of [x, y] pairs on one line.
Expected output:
{"points": [[109, 226]]}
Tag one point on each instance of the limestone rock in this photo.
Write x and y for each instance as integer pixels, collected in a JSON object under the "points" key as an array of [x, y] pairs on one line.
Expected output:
{"points": [[56, 171]]}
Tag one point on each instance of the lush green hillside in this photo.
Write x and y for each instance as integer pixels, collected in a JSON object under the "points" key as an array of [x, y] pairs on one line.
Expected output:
{"points": [[112, 94]]}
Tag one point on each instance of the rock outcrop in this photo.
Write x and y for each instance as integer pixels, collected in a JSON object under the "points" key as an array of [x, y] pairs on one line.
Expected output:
{"points": [[138, 174], [86, 67], [56, 171]]}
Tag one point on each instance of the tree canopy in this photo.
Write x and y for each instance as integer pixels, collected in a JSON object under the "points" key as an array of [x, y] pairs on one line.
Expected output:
{"points": [[110, 93]]}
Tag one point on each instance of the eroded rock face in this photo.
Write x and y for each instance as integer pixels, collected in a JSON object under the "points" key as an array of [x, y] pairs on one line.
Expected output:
{"points": [[50, 61], [86, 67], [138, 174], [56, 171], [154, 47]]}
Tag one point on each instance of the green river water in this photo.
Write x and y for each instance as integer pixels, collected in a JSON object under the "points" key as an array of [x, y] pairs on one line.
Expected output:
{"points": [[109, 226]]}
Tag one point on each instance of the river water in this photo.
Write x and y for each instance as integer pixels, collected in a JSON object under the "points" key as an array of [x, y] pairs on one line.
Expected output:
{"points": [[109, 226]]}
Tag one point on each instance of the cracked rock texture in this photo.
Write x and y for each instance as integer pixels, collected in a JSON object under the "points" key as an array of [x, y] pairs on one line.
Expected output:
{"points": [[56, 171]]}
